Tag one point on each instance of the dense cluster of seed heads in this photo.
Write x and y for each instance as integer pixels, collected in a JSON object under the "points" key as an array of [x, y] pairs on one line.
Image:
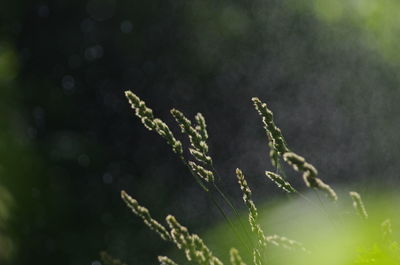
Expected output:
{"points": [[280, 149], [358, 204], [193, 246], [309, 174], [197, 135]]}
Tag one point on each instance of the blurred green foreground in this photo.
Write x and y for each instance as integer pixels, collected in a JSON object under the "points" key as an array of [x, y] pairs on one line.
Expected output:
{"points": [[333, 234]]}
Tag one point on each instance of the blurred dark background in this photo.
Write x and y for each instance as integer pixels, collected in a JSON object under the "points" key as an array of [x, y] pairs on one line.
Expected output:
{"points": [[69, 141]]}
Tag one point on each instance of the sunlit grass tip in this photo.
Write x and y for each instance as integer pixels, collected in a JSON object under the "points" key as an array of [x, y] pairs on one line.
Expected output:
{"points": [[193, 246], [280, 182], [235, 257], [310, 173], [358, 204], [144, 213], [203, 173], [150, 122], [273, 132], [281, 241], [197, 135], [253, 215], [166, 261]]}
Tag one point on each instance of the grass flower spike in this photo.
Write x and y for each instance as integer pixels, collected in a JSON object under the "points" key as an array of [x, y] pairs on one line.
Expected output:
{"points": [[235, 257], [146, 116], [358, 204], [387, 229], [191, 244], [201, 126], [253, 214], [309, 174], [166, 261], [203, 173], [280, 182], [275, 137], [144, 213], [197, 136], [194, 248], [141, 110]]}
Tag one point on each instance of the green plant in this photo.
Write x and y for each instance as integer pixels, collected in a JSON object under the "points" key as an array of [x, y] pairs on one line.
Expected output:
{"points": [[204, 174]]}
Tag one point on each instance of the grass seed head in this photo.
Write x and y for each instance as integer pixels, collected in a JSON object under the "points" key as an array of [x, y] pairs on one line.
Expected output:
{"points": [[166, 261], [193, 246], [201, 126], [203, 173], [141, 110], [358, 204], [280, 182], [253, 212], [201, 157], [163, 130], [273, 132], [310, 173], [144, 213], [197, 136], [235, 257], [281, 241]]}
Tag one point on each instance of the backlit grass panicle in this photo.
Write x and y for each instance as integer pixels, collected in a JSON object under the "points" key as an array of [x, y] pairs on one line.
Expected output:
{"points": [[322, 186], [166, 261], [195, 250], [146, 116], [201, 126], [200, 156], [274, 133], [185, 124], [285, 242], [235, 257], [257, 260], [280, 182], [197, 137], [246, 193], [144, 213], [358, 204], [163, 130], [181, 237], [141, 110], [193, 246], [203, 173], [310, 173], [253, 214]]}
